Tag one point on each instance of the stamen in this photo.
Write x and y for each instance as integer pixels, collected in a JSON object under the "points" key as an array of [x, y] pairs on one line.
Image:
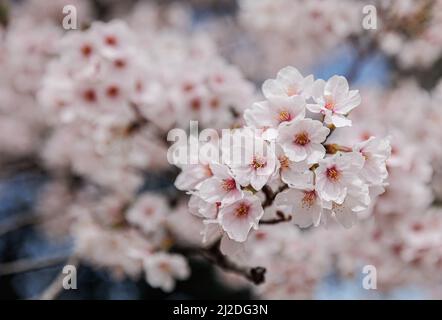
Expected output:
{"points": [[309, 199], [301, 138], [242, 210], [228, 184], [284, 115], [333, 174]]}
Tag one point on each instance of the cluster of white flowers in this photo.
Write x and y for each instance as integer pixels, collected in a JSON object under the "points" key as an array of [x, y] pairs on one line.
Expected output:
{"points": [[284, 32], [288, 150], [25, 50], [94, 105], [109, 98], [410, 31], [112, 94]]}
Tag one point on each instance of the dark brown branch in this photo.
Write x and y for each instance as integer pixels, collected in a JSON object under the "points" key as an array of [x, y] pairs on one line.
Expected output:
{"points": [[270, 195], [213, 254], [281, 218]]}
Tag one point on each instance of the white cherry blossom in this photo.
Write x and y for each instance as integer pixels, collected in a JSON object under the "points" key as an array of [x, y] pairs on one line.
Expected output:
{"points": [[302, 140], [336, 173], [238, 218], [334, 100]]}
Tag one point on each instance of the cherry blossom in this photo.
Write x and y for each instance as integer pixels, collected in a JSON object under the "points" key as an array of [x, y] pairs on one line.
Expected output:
{"points": [[222, 187], [334, 100], [301, 140], [162, 270], [335, 174], [238, 218]]}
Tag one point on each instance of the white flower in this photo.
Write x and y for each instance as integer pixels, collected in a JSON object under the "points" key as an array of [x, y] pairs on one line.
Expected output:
{"points": [[239, 217], [149, 212], [221, 187], [202, 209], [376, 152], [334, 99], [192, 176], [301, 140], [254, 162], [271, 113], [162, 269], [357, 200], [289, 82], [336, 173], [295, 174], [305, 206]]}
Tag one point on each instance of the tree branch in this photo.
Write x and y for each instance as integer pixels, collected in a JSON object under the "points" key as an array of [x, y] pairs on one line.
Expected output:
{"points": [[17, 222], [255, 275], [270, 195], [30, 264], [54, 289], [281, 218]]}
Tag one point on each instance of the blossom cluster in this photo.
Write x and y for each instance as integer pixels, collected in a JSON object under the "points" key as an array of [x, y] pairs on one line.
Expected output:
{"points": [[92, 107], [288, 154], [410, 31], [113, 93]]}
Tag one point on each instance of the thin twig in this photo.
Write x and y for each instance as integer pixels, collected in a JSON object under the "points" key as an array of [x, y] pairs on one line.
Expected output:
{"points": [[54, 289], [281, 218], [30, 264], [213, 254], [17, 222], [270, 195]]}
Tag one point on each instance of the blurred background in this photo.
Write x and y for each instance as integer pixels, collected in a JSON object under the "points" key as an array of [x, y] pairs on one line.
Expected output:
{"points": [[68, 178]]}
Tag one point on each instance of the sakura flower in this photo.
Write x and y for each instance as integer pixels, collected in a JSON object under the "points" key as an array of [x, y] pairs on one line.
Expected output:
{"points": [[162, 269], [375, 152], [289, 82], [336, 173], [305, 206], [271, 113], [301, 140], [334, 100], [192, 175], [221, 187], [295, 174], [254, 162], [149, 212], [203, 209], [238, 218], [357, 200]]}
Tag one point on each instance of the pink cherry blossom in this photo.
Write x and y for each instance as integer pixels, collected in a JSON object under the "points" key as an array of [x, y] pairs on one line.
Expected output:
{"points": [[301, 140]]}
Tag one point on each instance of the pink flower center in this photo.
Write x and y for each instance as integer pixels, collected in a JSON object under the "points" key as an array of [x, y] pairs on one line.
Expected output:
{"points": [[110, 40], [284, 115], [284, 161], [86, 50], [164, 266], [258, 163], [333, 174], [148, 211], [89, 95], [214, 103], [228, 184], [195, 104], [329, 104], [112, 91], [242, 210], [119, 63], [301, 138], [309, 199]]}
